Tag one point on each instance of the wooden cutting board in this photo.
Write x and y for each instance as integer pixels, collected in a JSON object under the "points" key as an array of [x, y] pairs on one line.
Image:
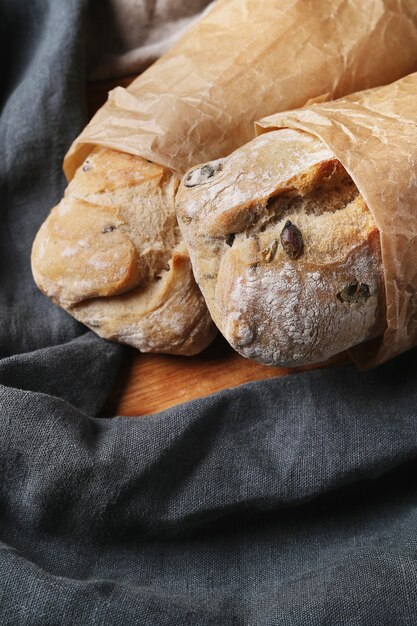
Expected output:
{"points": [[148, 383]]}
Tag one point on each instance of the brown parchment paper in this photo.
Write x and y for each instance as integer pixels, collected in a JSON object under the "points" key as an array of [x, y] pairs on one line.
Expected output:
{"points": [[374, 135], [246, 59]]}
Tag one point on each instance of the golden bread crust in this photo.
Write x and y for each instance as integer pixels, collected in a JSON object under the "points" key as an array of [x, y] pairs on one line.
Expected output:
{"points": [[285, 250], [111, 254]]}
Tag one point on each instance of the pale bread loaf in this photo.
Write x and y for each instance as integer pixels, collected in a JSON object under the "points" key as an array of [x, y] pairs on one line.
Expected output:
{"points": [[284, 250], [111, 254]]}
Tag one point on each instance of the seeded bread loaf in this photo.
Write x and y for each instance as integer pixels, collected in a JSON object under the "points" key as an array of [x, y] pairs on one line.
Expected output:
{"points": [[198, 102], [284, 250], [112, 255]]}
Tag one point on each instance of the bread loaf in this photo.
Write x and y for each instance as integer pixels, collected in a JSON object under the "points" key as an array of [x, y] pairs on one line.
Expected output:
{"points": [[197, 103], [284, 250], [111, 254]]}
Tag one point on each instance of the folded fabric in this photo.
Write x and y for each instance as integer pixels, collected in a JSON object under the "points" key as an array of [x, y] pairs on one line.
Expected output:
{"points": [[124, 37]]}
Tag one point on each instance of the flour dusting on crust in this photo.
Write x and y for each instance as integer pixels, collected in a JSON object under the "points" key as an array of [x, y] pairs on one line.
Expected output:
{"points": [[278, 312]]}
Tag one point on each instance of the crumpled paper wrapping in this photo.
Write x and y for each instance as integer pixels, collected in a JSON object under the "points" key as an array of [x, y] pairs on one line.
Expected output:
{"points": [[374, 135], [244, 60]]}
